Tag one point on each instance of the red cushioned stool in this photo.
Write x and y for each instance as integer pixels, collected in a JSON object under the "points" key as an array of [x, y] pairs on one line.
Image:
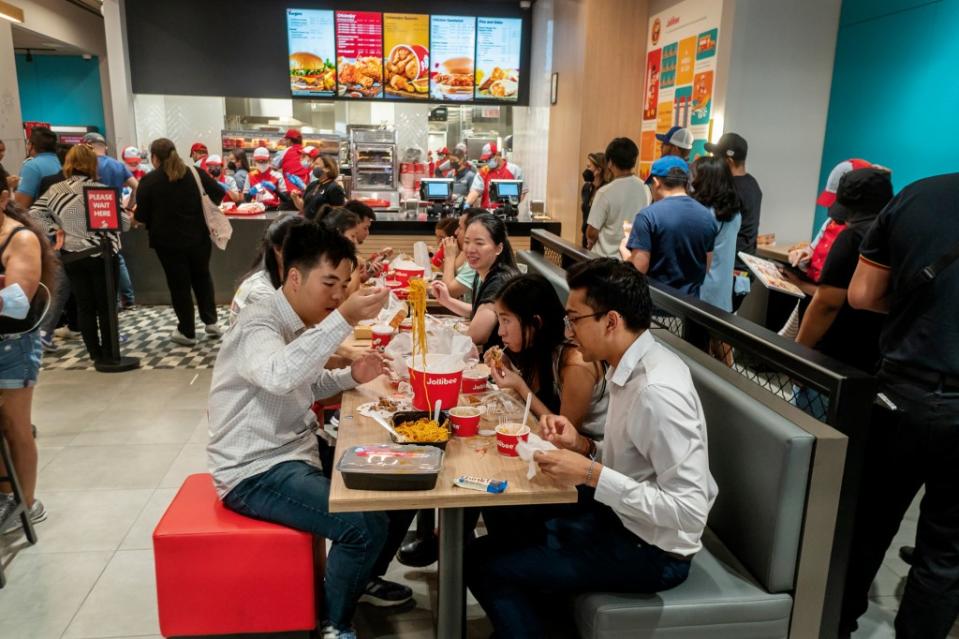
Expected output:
{"points": [[222, 573]]}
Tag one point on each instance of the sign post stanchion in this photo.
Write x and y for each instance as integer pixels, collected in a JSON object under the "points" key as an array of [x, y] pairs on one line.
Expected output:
{"points": [[103, 216]]}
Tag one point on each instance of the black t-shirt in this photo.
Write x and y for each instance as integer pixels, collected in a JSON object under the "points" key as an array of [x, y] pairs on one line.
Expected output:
{"points": [[172, 211], [752, 200], [916, 228], [486, 293], [853, 337]]}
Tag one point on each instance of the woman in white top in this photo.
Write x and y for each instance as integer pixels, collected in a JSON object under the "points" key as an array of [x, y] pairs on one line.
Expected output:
{"points": [[267, 271], [540, 359]]}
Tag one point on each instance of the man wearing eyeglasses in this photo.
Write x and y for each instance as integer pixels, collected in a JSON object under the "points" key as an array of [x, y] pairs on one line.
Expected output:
{"points": [[645, 490]]}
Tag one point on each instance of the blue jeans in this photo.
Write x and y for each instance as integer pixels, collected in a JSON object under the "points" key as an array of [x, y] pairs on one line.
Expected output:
{"points": [[125, 292], [296, 494], [59, 296], [561, 550]]}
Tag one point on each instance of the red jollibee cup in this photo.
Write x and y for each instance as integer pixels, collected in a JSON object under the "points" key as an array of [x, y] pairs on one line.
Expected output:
{"points": [[438, 256], [382, 334], [475, 380], [465, 421], [508, 436], [406, 326]]}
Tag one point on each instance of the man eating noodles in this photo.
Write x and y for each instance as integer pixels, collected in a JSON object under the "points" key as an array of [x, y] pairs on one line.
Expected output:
{"points": [[263, 453], [645, 491]]}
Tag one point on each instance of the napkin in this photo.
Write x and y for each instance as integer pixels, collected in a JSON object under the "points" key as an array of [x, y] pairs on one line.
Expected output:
{"points": [[526, 449]]}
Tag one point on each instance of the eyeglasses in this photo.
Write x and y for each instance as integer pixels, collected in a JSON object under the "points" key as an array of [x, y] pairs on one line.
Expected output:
{"points": [[570, 322]]}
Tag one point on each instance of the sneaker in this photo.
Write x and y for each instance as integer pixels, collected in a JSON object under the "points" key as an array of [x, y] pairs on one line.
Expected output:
{"points": [[214, 331], [49, 346], [382, 593], [123, 308], [37, 514], [182, 339], [329, 631], [65, 332]]}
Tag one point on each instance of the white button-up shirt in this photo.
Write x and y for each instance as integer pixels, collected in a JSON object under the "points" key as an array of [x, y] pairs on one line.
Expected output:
{"points": [[268, 373], [655, 472]]}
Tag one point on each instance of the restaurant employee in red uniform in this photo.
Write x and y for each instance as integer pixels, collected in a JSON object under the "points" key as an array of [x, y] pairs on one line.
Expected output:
{"points": [[497, 168], [292, 161], [264, 183]]}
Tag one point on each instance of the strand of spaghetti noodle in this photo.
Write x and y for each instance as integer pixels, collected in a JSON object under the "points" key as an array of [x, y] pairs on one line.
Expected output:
{"points": [[417, 301]]}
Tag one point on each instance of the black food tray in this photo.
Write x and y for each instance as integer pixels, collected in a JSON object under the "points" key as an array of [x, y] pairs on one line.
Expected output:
{"points": [[412, 416]]}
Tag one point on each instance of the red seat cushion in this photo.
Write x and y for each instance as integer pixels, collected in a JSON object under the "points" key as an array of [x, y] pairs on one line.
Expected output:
{"points": [[219, 572]]}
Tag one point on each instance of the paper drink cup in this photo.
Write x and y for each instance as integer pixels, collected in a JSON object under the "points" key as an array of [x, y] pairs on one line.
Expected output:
{"points": [[382, 334], [475, 380], [434, 384], [466, 420], [406, 326], [508, 436]]}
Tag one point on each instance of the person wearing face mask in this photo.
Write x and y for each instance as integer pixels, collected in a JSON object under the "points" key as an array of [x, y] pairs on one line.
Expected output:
{"points": [[239, 166], [462, 173], [496, 168], [264, 183], [324, 189], [444, 167], [131, 157], [214, 166], [595, 176]]}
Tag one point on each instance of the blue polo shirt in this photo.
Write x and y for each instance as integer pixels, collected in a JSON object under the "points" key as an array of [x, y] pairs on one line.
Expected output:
{"points": [[677, 232], [34, 170], [112, 172]]}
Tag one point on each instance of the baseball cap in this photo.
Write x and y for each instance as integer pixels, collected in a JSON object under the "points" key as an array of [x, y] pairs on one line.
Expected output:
{"points": [[663, 165], [443, 151], [730, 145], [489, 150], [94, 138], [311, 152], [293, 134], [678, 137], [131, 155], [261, 153], [828, 196], [861, 193], [214, 159], [198, 147]]}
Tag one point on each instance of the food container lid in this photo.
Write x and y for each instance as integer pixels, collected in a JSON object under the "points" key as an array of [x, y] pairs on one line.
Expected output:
{"points": [[391, 459]]}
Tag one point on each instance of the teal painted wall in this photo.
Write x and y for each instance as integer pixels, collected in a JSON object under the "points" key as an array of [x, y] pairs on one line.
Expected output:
{"points": [[61, 90], [895, 89]]}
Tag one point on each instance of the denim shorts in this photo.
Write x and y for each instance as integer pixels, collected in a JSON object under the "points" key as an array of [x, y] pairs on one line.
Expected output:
{"points": [[20, 360]]}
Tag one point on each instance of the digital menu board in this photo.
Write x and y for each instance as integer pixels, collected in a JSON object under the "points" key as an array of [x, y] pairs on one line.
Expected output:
{"points": [[359, 54], [310, 37], [498, 51], [452, 47], [406, 55]]}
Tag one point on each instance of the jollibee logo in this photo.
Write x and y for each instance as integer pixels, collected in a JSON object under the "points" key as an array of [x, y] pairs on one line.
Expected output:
{"points": [[441, 381], [505, 445]]}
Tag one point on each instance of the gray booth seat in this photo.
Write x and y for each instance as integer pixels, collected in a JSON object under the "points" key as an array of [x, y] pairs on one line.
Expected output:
{"points": [[740, 584], [536, 263]]}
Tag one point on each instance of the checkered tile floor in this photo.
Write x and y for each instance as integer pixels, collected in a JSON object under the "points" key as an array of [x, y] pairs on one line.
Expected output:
{"points": [[147, 331]]}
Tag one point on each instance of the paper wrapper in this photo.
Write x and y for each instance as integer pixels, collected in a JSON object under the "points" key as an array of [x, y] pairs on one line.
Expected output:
{"points": [[452, 350], [526, 449]]}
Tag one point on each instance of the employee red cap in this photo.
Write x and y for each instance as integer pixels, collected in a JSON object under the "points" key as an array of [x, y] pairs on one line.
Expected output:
{"points": [[293, 134], [444, 151], [828, 197], [198, 147], [489, 150]]}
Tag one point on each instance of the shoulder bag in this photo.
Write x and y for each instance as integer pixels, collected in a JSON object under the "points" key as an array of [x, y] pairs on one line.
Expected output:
{"points": [[220, 229]]}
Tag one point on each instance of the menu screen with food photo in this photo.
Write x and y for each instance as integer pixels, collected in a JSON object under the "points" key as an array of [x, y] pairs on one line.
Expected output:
{"points": [[452, 47], [498, 50], [359, 54], [311, 40], [406, 55]]}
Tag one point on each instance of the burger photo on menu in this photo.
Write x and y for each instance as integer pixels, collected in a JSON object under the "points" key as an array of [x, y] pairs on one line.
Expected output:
{"points": [[309, 72], [455, 78]]}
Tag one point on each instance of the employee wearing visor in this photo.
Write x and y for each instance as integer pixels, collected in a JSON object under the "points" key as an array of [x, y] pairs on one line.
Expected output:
{"points": [[497, 168]]}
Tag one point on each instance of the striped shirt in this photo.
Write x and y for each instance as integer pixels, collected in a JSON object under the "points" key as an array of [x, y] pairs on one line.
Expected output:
{"points": [[269, 372], [61, 207]]}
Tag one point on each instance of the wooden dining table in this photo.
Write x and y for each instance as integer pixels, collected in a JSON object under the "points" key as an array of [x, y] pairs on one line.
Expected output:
{"points": [[476, 456]]}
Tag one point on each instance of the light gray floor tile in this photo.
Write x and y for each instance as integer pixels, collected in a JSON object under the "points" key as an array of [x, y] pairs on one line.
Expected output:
{"points": [[106, 467], [81, 521], [887, 583], [191, 460], [46, 455], [62, 419], [201, 432], [44, 592], [133, 426], [140, 536], [123, 602]]}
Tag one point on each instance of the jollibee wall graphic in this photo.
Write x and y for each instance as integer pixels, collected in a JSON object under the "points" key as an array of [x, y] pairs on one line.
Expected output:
{"points": [[680, 74]]}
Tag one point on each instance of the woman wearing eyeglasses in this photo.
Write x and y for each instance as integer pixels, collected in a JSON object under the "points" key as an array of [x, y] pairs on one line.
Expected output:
{"points": [[541, 360]]}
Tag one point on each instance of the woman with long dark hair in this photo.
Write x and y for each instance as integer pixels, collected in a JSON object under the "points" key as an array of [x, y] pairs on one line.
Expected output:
{"points": [[488, 252], [713, 187], [168, 203], [266, 272], [239, 164], [541, 360], [324, 189], [595, 175]]}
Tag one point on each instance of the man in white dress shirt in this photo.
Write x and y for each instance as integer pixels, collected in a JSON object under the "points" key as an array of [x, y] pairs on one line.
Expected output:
{"points": [[263, 452], [645, 490]]}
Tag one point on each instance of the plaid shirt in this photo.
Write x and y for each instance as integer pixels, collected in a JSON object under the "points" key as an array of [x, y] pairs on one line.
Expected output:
{"points": [[62, 207], [268, 373]]}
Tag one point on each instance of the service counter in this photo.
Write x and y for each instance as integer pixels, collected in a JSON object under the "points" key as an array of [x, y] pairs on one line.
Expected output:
{"points": [[397, 230]]}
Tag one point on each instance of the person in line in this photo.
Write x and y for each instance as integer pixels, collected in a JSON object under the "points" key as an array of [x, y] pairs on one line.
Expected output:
{"points": [[264, 460], [131, 157], [26, 262], [214, 166], [713, 187], [62, 210], [292, 162], [265, 184], [239, 166], [7, 181], [595, 176], [42, 161], [616, 203], [489, 253], [462, 173], [496, 168], [678, 142], [61, 297], [541, 360], [169, 205], [672, 239], [909, 269], [733, 148], [458, 275], [325, 189], [266, 272], [198, 153], [645, 490]]}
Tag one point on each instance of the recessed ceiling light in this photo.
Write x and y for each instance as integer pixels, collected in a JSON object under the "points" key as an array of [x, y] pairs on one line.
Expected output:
{"points": [[11, 12]]}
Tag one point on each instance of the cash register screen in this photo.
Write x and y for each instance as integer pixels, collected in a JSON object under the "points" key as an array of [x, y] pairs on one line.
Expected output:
{"points": [[437, 190], [507, 189]]}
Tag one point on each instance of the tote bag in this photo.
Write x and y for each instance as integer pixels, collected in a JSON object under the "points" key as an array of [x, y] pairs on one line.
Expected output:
{"points": [[220, 229]]}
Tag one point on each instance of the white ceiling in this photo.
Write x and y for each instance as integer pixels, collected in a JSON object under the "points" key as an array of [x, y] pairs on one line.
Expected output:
{"points": [[41, 44]]}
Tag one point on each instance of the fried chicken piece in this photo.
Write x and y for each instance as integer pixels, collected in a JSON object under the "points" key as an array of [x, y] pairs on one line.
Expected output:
{"points": [[399, 83], [412, 69]]}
